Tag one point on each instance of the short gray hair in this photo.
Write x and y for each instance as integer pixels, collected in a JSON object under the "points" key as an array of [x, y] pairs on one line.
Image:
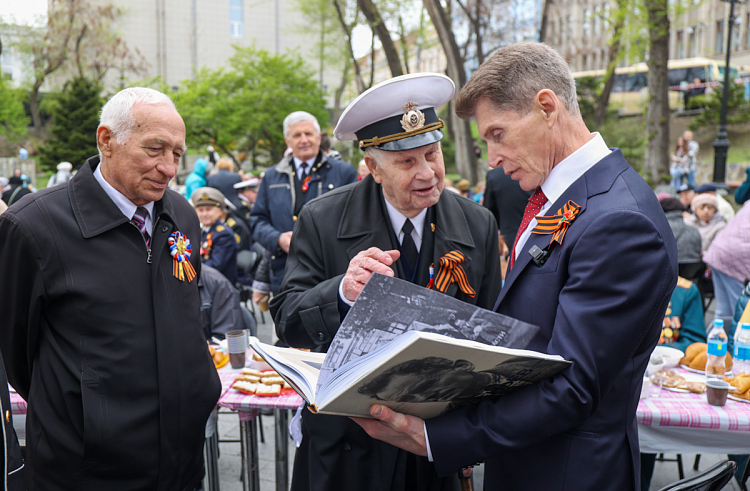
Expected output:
{"points": [[117, 113], [514, 75], [298, 117]]}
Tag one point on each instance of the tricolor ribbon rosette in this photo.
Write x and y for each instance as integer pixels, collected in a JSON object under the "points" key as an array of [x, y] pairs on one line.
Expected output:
{"points": [[451, 271], [180, 249], [557, 224]]}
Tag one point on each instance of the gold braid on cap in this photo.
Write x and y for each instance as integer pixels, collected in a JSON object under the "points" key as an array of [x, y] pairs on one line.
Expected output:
{"points": [[373, 142]]}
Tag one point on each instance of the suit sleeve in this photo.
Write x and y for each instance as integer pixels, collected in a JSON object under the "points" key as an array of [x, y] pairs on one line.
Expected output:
{"points": [[306, 309], [618, 280], [491, 283], [225, 312], [21, 301]]}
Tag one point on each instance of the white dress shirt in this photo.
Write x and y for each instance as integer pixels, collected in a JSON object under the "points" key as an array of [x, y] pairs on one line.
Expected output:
{"points": [[298, 166], [563, 175]]}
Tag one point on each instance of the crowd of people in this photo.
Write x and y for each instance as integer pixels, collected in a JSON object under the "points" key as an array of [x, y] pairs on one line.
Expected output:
{"points": [[121, 277]]}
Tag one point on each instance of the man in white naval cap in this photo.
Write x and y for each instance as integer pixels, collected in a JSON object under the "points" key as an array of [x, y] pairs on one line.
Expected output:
{"points": [[396, 221]]}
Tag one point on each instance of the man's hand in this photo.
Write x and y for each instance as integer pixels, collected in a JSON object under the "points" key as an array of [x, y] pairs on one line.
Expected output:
{"points": [[362, 266], [400, 430], [284, 240], [259, 297]]}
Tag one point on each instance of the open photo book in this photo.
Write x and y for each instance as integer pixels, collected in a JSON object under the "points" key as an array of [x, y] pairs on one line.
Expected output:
{"points": [[417, 351]]}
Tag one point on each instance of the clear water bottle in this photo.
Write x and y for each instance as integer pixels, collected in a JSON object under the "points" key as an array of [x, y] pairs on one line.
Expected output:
{"points": [[717, 351], [742, 349]]}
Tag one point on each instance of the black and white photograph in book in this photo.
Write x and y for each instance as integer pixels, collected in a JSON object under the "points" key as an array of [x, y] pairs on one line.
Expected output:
{"points": [[368, 325], [438, 379]]}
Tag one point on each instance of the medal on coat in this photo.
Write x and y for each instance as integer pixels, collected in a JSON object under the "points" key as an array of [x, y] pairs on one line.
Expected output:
{"points": [[557, 224], [306, 183], [206, 246], [180, 249]]}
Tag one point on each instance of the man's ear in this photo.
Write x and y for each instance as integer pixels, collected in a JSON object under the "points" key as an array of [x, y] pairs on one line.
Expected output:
{"points": [[373, 166], [104, 138], [547, 102]]}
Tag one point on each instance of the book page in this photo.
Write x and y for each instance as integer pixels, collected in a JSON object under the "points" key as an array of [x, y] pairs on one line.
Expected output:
{"points": [[388, 307], [299, 368], [425, 374]]}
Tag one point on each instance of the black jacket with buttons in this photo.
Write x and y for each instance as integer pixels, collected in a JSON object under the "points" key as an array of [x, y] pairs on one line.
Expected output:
{"points": [[104, 342]]}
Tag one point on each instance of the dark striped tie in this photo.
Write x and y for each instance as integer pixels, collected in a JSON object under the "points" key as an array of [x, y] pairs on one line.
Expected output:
{"points": [[139, 220]]}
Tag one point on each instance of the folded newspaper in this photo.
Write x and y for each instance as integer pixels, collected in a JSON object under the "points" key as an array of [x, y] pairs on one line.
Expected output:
{"points": [[414, 350]]}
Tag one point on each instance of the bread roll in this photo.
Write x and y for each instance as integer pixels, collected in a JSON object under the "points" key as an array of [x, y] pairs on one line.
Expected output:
{"points": [[692, 351], [699, 362]]}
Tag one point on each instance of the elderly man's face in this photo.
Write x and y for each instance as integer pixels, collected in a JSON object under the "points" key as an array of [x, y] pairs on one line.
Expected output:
{"points": [[208, 214], [412, 180], [518, 143], [250, 195], [303, 139], [141, 165]]}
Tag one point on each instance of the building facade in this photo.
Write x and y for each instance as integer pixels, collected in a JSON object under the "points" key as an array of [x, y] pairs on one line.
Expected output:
{"points": [[177, 38], [580, 32]]}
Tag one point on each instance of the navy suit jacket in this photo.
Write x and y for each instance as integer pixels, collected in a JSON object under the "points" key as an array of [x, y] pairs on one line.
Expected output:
{"points": [[599, 299]]}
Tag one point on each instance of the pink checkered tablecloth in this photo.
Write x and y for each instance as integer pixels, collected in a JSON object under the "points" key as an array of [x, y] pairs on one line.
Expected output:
{"points": [[248, 406], [17, 404], [688, 410]]}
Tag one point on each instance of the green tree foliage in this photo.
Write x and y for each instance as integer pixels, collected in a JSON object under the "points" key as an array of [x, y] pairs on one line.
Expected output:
{"points": [[738, 108], [13, 119], [242, 109], [75, 117]]}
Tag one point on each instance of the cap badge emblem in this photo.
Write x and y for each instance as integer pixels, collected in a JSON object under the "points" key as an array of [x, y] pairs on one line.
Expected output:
{"points": [[413, 118]]}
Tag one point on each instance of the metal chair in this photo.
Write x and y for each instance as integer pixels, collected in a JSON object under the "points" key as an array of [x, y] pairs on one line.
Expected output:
{"points": [[712, 479]]}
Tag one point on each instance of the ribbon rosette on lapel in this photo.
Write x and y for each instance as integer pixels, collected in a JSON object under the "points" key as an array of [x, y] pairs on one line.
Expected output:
{"points": [[557, 224], [180, 249], [451, 271]]}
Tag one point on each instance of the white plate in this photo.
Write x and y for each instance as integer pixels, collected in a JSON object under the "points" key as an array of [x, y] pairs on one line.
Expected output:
{"points": [[730, 396], [671, 356], [702, 372], [689, 377]]}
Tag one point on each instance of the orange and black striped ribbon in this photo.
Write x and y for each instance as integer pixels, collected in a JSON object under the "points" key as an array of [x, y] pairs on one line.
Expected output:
{"points": [[451, 271], [557, 224]]}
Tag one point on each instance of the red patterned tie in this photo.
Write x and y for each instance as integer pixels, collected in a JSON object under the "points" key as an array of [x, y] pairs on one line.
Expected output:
{"points": [[533, 207]]}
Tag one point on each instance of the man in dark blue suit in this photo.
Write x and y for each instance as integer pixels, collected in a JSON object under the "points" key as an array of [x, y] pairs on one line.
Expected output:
{"points": [[596, 276]]}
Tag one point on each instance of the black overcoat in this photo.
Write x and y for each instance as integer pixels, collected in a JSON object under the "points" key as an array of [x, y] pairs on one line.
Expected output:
{"points": [[104, 342], [336, 453]]}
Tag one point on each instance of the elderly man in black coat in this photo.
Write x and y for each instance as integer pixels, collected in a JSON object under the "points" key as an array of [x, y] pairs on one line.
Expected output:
{"points": [[103, 335], [397, 221]]}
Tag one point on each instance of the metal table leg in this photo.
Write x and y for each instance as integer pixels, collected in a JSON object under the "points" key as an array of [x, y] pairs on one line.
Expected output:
{"points": [[282, 450], [249, 449], [211, 460]]}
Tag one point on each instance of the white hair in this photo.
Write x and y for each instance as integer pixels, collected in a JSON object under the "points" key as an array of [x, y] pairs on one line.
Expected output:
{"points": [[298, 117], [117, 113]]}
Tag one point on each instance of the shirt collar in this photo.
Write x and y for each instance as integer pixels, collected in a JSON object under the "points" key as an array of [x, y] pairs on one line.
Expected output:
{"points": [[398, 219], [124, 204], [574, 166]]}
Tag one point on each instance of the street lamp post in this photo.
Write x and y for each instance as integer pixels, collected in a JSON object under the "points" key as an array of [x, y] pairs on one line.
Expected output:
{"points": [[721, 144]]}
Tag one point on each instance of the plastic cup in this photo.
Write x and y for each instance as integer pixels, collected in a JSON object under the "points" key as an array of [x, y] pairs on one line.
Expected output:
{"points": [[716, 392], [236, 347]]}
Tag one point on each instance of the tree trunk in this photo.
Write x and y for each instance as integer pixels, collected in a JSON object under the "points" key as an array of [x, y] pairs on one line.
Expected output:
{"points": [[36, 119], [378, 27], [336, 113], [600, 111], [656, 158], [543, 24], [348, 31], [466, 162]]}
